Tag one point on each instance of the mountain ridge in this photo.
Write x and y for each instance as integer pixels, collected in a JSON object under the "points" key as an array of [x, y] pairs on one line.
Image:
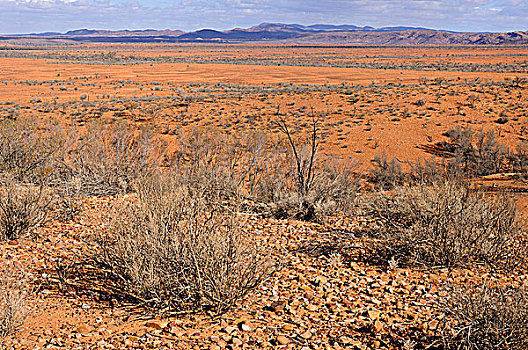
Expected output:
{"points": [[292, 34]]}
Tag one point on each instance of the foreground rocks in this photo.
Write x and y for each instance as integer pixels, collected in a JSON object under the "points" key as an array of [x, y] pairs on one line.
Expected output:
{"points": [[328, 292]]}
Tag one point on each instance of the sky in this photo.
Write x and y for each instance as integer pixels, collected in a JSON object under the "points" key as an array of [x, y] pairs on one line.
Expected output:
{"points": [[29, 16]]}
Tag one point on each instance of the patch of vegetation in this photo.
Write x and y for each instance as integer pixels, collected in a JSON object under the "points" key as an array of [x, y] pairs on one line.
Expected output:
{"points": [[447, 223], [171, 251], [486, 317], [13, 299], [22, 208]]}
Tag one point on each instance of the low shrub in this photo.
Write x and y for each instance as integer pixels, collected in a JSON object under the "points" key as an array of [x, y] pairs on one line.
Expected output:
{"points": [[172, 252], [30, 150], [428, 171], [482, 317], [22, 208], [108, 158], [220, 166], [333, 192], [13, 300], [446, 224], [387, 173]]}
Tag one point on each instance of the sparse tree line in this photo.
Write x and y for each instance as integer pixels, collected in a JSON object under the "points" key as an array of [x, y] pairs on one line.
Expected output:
{"points": [[182, 243]]}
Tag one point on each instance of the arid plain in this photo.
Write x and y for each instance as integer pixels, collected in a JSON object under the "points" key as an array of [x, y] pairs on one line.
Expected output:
{"points": [[329, 289]]}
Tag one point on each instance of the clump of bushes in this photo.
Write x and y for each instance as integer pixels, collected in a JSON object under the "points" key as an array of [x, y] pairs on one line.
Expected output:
{"points": [[102, 160], [220, 166], [29, 149], [447, 223], [43, 163], [476, 153], [107, 158], [482, 317], [387, 173], [172, 251], [281, 180], [467, 154]]}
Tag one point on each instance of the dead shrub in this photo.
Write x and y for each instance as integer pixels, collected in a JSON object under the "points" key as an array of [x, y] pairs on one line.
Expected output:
{"points": [[13, 300], [30, 150], [22, 208], [446, 224], [486, 317], [305, 186], [173, 252], [109, 157]]}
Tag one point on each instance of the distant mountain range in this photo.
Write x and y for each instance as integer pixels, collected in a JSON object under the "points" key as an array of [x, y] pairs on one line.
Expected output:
{"points": [[293, 34]]}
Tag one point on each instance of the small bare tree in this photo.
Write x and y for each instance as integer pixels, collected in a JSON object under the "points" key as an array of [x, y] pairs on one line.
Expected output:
{"points": [[312, 189], [305, 170]]}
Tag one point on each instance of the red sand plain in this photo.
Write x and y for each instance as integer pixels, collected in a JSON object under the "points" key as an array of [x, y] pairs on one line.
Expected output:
{"points": [[366, 112]]}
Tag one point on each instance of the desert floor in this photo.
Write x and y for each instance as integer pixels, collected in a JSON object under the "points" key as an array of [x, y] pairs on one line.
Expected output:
{"points": [[327, 293]]}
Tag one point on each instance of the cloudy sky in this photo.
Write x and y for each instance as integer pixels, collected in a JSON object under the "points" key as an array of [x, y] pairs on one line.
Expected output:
{"points": [[25, 16]]}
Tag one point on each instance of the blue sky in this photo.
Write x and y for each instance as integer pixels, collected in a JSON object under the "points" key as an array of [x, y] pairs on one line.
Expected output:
{"points": [[25, 16]]}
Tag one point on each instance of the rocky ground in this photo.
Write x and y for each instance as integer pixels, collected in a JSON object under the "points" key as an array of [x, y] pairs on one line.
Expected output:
{"points": [[328, 292]]}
